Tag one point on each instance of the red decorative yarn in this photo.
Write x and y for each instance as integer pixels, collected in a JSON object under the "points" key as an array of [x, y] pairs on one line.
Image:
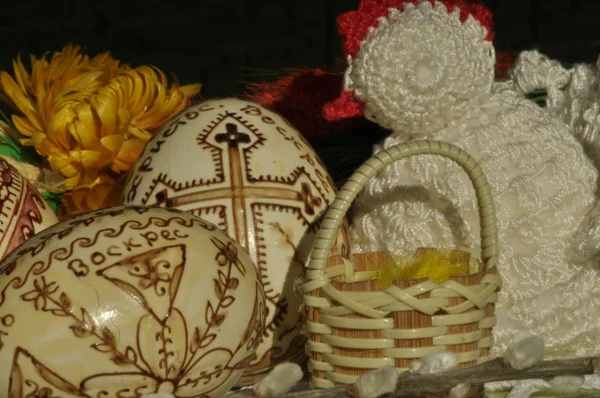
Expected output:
{"points": [[300, 98], [504, 61], [346, 106], [354, 25]]}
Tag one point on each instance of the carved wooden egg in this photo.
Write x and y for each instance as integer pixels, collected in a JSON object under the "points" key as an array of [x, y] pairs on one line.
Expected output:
{"points": [[23, 212], [128, 301], [247, 170]]}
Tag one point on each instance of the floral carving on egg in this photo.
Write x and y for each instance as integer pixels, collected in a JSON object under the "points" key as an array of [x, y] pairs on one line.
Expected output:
{"points": [[105, 290], [248, 171], [23, 212]]}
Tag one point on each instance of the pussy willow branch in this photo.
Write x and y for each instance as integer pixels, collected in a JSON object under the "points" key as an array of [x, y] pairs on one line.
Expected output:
{"points": [[440, 384]]}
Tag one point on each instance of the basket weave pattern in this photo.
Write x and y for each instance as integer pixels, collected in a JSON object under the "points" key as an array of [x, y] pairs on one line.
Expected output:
{"points": [[354, 327]]}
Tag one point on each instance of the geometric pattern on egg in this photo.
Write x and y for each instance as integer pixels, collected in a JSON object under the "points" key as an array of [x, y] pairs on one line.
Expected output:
{"points": [[244, 168], [23, 212], [128, 301]]}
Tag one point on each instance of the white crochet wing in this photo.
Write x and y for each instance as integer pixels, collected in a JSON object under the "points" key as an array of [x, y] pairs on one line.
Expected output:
{"points": [[585, 249], [573, 96]]}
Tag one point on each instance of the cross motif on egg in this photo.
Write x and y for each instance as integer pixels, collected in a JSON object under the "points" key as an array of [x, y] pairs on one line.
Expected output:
{"points": [[233, 136], [245, 169]]}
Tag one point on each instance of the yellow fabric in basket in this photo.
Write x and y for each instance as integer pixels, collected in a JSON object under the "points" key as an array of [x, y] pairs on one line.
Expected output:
{"points": [[436, 264]]}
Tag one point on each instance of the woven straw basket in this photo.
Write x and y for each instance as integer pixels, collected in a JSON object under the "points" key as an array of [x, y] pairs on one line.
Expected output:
{"points": [[354, 327]]}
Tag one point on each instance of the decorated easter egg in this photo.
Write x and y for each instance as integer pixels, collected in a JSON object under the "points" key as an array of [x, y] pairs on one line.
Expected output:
{"points": [[23, 212], [128, 301], [246, 169]]}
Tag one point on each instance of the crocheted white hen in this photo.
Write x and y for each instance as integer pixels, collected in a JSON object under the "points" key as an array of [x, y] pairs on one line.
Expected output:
{"points": [[425, 70]]}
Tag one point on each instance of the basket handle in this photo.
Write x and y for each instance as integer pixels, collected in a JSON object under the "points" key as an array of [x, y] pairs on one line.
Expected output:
{"points": [[350, 190]]}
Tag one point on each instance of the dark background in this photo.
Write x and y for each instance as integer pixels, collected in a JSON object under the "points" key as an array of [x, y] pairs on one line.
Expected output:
{"points": [[221, 42]]}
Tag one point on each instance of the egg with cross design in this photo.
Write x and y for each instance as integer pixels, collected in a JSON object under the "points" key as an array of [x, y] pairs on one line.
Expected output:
{"points": [[245, 169]]}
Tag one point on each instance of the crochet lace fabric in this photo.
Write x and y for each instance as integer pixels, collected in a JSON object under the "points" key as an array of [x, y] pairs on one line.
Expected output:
{"points": [[427, 75], [574, 96], [423, 86]]}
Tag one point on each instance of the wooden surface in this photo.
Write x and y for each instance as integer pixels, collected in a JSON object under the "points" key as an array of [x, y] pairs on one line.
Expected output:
{"points": [[440, 384], [216, 41]]}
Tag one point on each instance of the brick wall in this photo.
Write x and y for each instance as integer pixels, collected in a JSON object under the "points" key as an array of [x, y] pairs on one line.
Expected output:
{"points": [[221, 42]]}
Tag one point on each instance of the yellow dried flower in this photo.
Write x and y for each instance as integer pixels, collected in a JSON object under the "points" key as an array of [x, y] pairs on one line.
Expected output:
{"points": [[90, 118]]}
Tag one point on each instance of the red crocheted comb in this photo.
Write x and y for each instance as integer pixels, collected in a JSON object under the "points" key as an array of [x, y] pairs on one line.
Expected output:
{"points": [[354, 25]]}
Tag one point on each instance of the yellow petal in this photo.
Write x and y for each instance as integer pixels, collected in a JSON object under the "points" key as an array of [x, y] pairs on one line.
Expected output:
{"points": [[22, 102], [155, 74], [106, 109], [129, 154], [164, 108], [66, 169], [43, 105], [72, 182], [101, 59], [45, 146], [141, 92], [104, 192], [64, 61], [191, 90], [21, 75], [103, 179], [83, 82], [72, 171], [118, 89], [84, 128], [113, 143], [94, 159], [75, 202], [88, 178], [41, 84], [58, 127], [24, 125], [139, 133]]}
